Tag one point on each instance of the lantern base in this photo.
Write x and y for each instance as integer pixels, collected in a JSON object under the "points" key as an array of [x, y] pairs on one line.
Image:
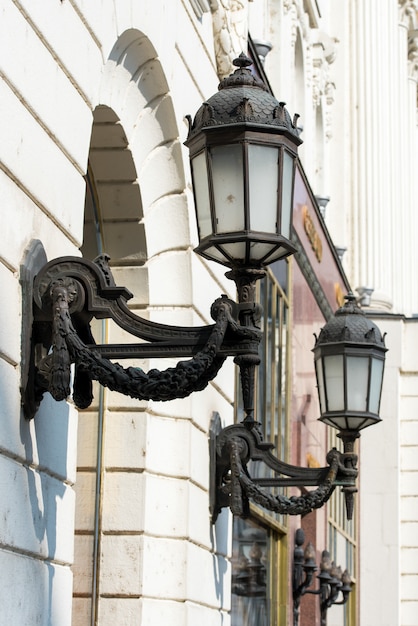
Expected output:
{"points": [[349, 422], [244, 249]]}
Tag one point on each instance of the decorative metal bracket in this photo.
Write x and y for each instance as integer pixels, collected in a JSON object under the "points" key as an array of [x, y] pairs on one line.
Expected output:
{"points": [[69, 292], [235, 447], [304, 567], [332, 581]]}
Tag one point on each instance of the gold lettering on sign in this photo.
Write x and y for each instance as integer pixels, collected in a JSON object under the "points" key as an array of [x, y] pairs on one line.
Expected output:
{"points": [[311, 232], [339, 294]]}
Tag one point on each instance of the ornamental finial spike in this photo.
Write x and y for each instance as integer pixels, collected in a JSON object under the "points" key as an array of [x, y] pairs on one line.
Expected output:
{"points": [[242, 61]]}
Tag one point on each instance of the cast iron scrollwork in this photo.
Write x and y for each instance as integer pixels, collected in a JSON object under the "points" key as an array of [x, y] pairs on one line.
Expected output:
{"points": [[233, 486], [334, 584], [70, 291]]}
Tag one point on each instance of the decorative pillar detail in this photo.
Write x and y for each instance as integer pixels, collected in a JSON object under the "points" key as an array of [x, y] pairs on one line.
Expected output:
{"points": [[299, 20], [408, 12], [324, 52], [230, 31], [408, 18]]}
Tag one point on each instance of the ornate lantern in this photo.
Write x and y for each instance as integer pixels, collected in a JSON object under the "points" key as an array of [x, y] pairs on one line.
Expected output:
{"points": [[349, 362], [243, 150]]}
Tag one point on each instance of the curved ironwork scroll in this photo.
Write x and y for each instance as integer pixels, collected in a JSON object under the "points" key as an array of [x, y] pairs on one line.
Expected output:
{"points": [[333, 582], [233, 486], [174, 382], [69, 292]]}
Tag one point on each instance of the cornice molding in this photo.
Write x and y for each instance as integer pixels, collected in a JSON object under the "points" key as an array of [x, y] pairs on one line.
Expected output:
{"points": [[200, 7]]}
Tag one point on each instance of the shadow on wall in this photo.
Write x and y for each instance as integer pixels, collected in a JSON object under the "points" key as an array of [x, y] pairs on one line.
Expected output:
{"points": [[220, 532], [51, 500]]}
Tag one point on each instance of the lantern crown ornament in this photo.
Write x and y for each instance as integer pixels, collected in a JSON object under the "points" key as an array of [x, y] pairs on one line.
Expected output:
{"points": [[350, 324], [243, 97], [243, 152]]}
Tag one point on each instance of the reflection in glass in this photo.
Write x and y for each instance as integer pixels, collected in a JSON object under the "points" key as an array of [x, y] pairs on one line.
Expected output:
{"points": [[201, 189], [334, 374], [376, 376], [250, 604], [357, 382], [227, 168]]}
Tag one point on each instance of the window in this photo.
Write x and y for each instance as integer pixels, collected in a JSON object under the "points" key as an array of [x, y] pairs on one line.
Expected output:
{"points": [[342, 541], [259, 551], [252, 553], [272, 389]]}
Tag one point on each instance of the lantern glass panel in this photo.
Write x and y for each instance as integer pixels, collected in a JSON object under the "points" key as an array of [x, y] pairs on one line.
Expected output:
{"points": [[334, 377], [375, 385], [263, 182], [235, 250], [228, 188], [358, 423], [287, 194], [260, 250], [357, 382], [216, 254], [201, 190], [320, 381], [278, 254]]}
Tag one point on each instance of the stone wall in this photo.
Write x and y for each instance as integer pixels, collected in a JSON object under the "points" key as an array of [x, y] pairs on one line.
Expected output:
{"points": [[150, 63]]}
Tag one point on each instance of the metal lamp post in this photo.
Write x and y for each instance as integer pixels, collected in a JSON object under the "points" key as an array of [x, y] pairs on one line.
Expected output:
{"points": [[304, 567], [243, 151]]}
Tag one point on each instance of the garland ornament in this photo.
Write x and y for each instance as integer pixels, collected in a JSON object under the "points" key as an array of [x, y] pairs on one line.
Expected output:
{"points": [[69, 292]]}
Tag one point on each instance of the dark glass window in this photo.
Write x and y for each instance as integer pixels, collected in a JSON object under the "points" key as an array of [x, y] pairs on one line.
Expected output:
{"points": [[259, 585], [251, 552]]}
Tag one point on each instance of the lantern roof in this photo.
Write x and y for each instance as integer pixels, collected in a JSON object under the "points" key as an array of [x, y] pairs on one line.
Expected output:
{"points": [[350, 324], [243, 98]]}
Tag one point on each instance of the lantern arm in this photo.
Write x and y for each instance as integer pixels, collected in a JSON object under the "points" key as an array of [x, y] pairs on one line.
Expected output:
{"points": [[93, 293], [69, 292], [303, 570], [233, 486], [344, 600]]}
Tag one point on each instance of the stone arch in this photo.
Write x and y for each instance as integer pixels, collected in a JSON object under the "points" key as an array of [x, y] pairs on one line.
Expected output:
{"points": [[113, 208], [137, 181], [135, 89]]}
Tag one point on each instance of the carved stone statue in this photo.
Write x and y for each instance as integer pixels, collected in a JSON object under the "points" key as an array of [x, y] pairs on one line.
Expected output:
{"points": [[230, 32]]}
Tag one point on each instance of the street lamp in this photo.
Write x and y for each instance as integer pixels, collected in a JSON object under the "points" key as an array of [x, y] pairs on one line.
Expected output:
{"points": [[349, 363], [334, 584], [243, 152], [304, 567]]}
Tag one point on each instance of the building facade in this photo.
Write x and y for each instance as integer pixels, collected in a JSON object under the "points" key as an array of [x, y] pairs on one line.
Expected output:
{"points": [[105, 512]]}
